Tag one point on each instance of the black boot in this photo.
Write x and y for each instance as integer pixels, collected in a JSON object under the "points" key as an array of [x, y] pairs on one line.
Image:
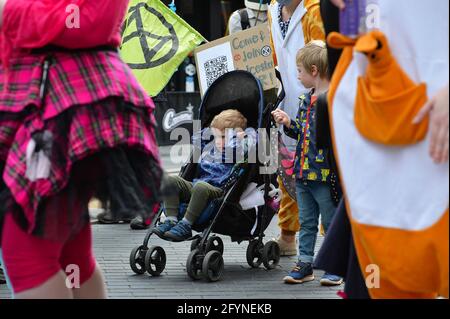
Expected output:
{"points": [[139, 223], [107, 218]]}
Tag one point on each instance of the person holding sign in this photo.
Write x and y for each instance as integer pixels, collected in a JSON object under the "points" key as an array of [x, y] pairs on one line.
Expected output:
{"points": [[293, 24], [75, 124]]}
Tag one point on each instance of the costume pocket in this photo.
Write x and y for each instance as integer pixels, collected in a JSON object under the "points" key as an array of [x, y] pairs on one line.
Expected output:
{"points": [[389, 120], [387, 98]]}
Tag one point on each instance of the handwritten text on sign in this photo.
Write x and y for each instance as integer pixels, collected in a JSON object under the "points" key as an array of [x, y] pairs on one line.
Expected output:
{"points": [[248, 50]]}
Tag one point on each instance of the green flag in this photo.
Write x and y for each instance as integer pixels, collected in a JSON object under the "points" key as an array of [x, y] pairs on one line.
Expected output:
{"points": [[155, 41]]}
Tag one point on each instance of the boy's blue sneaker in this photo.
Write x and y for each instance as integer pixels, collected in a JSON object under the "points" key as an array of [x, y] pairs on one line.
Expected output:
{"points": [[331, 280], [164, 227], [180, 232], [302, 272]]}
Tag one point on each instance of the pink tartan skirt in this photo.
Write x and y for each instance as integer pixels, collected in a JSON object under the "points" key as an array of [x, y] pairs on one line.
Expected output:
{"points": [[75, 125]]}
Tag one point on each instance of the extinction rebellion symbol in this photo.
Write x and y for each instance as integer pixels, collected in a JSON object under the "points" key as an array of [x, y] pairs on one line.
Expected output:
{"points": [[266, 51], [143, 36]]}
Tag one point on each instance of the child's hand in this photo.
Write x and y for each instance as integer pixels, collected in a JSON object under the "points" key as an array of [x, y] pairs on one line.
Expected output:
{"points": [[240, 135], [281, 117]]}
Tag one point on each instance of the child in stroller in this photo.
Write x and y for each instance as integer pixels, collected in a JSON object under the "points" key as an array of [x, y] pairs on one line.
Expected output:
{"points": [[214, 170], [225, 211]]}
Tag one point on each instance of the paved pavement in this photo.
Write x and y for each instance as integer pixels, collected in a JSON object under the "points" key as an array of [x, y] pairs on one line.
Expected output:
{"points": [[113, 244]]}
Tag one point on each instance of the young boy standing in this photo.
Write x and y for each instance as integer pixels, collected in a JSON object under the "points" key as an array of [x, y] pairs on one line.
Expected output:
{"points": [[293, 23], [312, 169]]}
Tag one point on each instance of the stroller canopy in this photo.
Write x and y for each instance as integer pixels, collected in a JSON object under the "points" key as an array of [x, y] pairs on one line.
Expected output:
{"points": [[238, 90]]}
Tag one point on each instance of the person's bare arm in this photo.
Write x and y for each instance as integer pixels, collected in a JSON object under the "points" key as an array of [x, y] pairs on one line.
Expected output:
{"points": [[2, 4], [438, 109], [338, 3]]}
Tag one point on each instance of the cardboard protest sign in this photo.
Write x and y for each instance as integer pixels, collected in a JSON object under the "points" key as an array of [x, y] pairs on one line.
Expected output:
{"points": [[249, 50]]}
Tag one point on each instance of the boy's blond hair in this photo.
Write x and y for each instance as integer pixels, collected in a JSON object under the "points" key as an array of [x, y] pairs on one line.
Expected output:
{"points": [[314, 53], [229, 119]]}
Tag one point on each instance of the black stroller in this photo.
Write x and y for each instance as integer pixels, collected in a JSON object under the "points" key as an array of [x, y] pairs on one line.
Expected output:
{"points": [[242, 91]]}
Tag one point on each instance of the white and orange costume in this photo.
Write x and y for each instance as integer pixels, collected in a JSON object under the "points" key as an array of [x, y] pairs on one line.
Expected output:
{"points": [[397, 198]]}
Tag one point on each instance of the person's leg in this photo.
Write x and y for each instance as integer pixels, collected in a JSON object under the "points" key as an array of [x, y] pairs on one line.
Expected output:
{"points": [[83, 272], [288, 223], [5, 275], [32, 264], [334, 254], [309, 221], [2, 274], [202, 194], [93, 288], [176, 190], [53, 288], [322, 194]]}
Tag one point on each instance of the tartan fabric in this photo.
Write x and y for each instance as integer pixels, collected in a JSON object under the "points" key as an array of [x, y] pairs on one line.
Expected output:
{"points": [[74, 79], [92, 103], [9, 124]]}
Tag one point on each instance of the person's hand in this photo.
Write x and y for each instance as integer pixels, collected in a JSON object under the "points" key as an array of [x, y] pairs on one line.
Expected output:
{"points": [[281, 117], [241, 134], [438, 109], [338, 3]]}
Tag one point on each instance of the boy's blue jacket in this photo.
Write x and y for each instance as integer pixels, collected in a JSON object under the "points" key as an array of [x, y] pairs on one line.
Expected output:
{"points": [[303, 129], [215, 167]]}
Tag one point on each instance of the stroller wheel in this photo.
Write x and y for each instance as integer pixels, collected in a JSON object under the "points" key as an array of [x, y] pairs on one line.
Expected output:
{"points": [[195, 242], [254, 253], [194, 265], [214, 243], [213, 266], [137, 262], [271, 255], [155, 260]]}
